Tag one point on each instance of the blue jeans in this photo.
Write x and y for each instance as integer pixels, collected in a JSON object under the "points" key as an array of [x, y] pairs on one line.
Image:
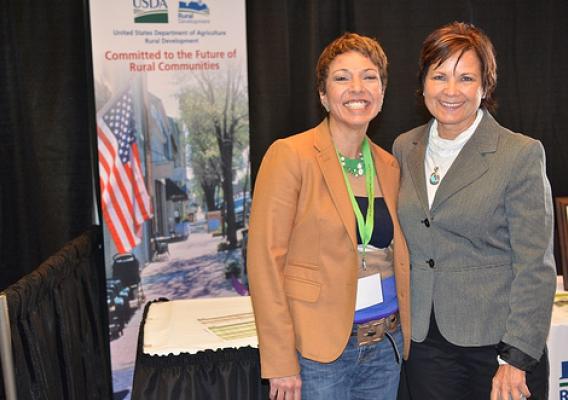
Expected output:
{"points": [[367, 372]]}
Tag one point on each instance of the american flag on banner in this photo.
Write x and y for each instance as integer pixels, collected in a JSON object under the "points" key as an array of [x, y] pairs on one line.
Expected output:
{"points": [[125, 200]]}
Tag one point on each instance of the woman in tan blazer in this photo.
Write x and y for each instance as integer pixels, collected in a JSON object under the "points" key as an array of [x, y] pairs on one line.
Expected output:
{"points": [[329, 275]]}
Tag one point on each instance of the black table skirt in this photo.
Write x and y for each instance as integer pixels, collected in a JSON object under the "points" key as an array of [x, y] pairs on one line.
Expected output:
{"points": [[217, 375]]}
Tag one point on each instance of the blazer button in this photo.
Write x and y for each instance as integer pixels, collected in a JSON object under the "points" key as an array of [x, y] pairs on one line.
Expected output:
{"points": [[426, 222], [431, 263]]}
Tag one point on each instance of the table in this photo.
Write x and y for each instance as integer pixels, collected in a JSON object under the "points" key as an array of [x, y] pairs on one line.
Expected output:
{"points": [[198, 349], [558, 347]]}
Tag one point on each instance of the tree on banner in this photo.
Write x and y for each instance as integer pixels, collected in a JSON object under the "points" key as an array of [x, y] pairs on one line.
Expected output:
{"points": [[125, 200], [217, 106]]}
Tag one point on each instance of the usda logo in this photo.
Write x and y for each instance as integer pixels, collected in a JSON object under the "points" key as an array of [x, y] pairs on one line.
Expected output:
{"points": [[150, 11]]}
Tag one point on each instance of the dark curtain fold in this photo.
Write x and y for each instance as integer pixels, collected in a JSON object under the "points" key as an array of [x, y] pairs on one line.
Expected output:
{"points": [[45, 131], [226, 374], [60, 344]]}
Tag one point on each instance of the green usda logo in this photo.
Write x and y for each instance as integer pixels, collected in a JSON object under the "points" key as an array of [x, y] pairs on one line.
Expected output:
{"points": [[150, 11]]}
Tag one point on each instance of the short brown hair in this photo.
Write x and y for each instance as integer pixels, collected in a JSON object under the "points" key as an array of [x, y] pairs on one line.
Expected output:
{"points": [[365, 45], [459, 37]]}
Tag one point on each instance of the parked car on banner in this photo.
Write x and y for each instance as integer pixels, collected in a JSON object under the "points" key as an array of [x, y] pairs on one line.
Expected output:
{"points": [[242, 209], [182, 230], [241, 206]]}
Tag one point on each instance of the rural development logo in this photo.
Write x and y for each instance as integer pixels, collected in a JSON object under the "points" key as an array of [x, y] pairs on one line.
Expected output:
{"points": [[150, 11], [563, 381], [192, 9]]}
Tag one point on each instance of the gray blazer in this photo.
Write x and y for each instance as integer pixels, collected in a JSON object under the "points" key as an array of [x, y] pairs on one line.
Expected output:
{"points": [[481, 256]]}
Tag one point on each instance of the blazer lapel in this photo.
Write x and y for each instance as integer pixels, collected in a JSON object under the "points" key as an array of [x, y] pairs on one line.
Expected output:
{"points": [[470, 163], [416, 167], [333, 177]]}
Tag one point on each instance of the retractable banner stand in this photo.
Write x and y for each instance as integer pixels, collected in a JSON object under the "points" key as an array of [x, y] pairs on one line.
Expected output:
{"points": [[173, 147]]}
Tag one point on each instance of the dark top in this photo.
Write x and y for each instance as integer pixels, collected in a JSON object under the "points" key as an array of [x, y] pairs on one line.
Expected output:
{"points": [[383, 229]]}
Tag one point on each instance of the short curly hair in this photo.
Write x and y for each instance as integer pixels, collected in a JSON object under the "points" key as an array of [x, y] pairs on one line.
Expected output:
{"points": [[459, 37], [365, 45]]}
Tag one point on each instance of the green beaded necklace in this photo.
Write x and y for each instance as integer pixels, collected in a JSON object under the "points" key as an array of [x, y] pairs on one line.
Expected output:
{"points": [[353, 166]]}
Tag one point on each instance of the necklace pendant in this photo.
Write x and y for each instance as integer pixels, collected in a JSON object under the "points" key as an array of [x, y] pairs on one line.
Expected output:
{"points": [[353, 166], [364, 263], [435, 176]]}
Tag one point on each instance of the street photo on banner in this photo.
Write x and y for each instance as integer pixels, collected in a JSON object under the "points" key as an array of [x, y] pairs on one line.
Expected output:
{"points": [[173, 155]]}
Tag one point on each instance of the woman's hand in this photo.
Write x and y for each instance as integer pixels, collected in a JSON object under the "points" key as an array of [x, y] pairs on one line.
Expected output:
{"points": [[286, 388], [509, 383]]}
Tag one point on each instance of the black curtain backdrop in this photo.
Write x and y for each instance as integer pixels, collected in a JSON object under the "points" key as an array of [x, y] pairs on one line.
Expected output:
{"points": [[47, 112], [59, 326], [46, 129]]}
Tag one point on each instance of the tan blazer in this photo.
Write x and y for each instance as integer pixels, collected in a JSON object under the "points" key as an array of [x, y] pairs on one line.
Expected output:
{"points": [[302, 251]]}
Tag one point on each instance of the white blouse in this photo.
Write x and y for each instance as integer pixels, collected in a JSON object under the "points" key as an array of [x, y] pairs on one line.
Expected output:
{"points": [[441, 153]]}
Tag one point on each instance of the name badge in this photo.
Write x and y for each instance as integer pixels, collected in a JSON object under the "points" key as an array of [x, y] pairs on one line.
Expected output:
{"points": [[369, 291]]}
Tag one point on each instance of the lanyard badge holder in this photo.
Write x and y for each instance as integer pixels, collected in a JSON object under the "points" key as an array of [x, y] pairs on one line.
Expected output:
{"points": [[366, 224]]}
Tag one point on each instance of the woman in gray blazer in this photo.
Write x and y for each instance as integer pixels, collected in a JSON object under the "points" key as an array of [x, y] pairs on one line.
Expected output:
{"points": [[476, 208]]}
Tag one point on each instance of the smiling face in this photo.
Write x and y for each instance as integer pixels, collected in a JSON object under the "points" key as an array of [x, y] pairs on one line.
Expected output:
{"points": [[453, 93], [353, 91]]}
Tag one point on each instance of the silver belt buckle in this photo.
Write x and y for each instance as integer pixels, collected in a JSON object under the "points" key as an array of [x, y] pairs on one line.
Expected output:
{"points": [[371, 332]]}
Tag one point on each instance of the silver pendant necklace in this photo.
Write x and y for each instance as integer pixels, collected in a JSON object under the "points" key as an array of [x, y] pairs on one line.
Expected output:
{"points": [[435, 176]]}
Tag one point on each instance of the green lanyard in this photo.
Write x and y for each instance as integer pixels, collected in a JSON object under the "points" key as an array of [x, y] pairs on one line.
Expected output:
{"points": [[365, 225]]}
